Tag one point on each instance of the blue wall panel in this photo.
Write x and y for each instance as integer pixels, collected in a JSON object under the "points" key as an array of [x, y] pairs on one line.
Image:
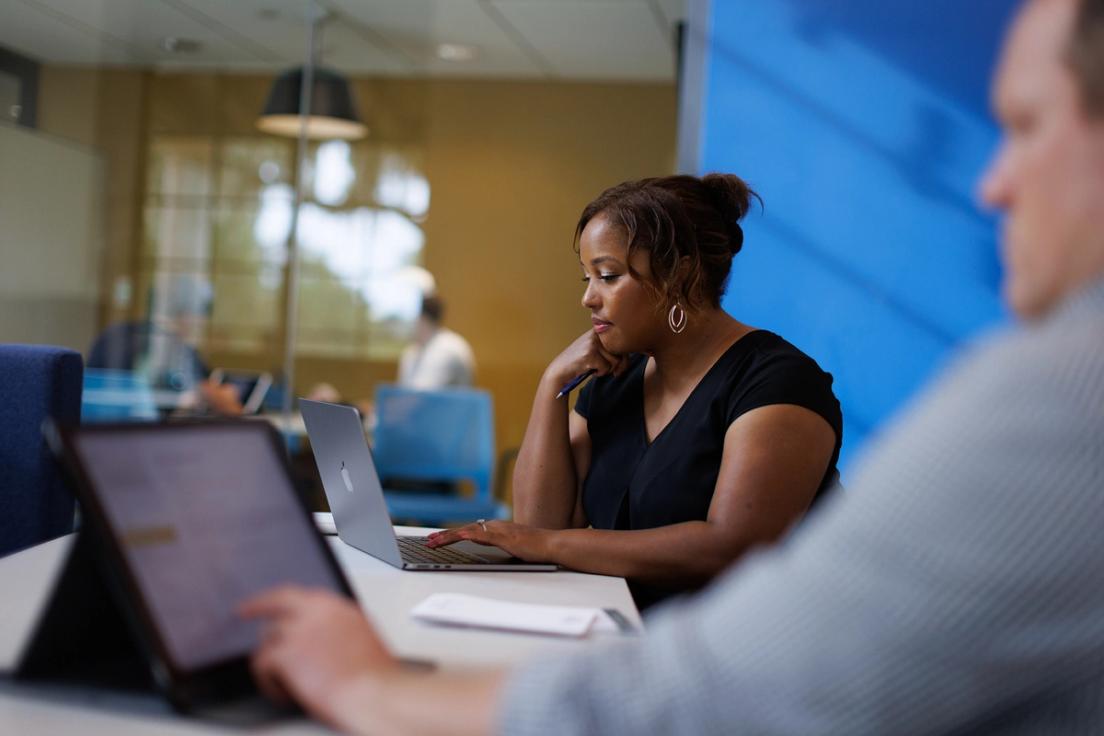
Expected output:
{"points": [[864, 125]]}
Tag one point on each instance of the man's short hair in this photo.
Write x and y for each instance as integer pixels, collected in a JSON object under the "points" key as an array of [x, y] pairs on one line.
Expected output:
{"points": [[1086, 55], [433, 309]]}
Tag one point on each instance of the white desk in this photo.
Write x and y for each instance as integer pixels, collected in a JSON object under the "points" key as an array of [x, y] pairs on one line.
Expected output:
{"points": [[387, 594]]}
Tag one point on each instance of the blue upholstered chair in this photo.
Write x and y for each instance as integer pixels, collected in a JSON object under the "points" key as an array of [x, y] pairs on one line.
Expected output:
{"points": [[436, 437], [36, 381], [116, 396]]}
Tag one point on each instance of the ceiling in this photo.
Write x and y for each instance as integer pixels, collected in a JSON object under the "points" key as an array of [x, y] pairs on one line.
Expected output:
{"points": [[631, 40]]}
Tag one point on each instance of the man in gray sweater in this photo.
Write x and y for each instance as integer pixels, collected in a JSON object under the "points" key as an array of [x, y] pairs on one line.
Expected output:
{"points": [[958, 584]]}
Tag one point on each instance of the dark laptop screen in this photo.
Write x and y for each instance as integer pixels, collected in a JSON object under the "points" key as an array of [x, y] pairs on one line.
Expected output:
{"points": [[206, 517]]}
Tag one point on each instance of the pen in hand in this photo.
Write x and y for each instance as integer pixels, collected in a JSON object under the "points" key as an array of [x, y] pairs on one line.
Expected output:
{"points": [[574, 382]]}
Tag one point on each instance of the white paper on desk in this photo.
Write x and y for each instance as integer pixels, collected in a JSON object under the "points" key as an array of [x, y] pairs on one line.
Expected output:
{"points": [[458, 609]]}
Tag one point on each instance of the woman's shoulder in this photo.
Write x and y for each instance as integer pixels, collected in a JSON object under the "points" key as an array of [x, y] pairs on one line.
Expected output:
{"points": [[763, 350], [768, 369]]}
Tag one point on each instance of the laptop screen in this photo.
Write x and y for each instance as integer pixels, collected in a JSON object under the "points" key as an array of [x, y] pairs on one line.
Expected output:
{"points": [[205, 516]]}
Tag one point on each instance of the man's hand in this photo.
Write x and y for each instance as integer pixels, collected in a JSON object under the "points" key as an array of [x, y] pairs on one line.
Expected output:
{"points": [[315, 647]]}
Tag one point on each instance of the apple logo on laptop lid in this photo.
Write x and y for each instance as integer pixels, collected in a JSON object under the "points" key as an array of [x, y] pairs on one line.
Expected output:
{"points": [[345, 477]]}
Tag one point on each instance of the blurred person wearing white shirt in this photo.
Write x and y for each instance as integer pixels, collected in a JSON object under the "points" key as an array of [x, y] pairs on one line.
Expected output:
{"points": [[438, 357]]}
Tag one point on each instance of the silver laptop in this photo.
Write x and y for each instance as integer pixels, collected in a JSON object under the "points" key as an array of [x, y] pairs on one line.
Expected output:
{"points": [[360, 512]]}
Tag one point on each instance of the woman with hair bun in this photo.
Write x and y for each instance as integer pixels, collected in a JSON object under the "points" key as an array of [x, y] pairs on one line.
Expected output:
{"points": [[698, 438]]}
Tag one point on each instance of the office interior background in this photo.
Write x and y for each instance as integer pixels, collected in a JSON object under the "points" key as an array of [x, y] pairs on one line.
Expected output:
{"points": [[136, 185]]}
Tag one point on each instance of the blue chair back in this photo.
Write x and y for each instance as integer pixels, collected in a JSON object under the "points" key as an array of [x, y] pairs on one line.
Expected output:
{"points": [[116, 396], [36, 382], [445, 435], [435, 435]]}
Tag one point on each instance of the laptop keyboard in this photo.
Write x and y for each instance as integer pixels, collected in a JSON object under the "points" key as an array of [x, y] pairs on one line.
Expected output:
{"points": [[414, 549]]}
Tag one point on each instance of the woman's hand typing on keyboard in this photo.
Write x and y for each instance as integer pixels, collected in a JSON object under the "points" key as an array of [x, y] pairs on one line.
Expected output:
{"points": [[524, 542]]}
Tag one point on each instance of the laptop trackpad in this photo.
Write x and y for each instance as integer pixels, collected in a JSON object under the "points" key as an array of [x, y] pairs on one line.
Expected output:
{"points": [[494, 554]]}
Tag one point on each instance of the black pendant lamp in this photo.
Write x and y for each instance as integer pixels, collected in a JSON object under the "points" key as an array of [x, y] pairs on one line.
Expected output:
{"points": [[332, 111]]}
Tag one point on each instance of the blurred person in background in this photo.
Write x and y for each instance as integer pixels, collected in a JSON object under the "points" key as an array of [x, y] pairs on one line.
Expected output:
{"points": [[162, 348], [437, 357]]}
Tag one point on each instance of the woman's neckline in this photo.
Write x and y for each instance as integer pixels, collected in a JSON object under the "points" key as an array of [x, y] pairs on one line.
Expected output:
{"points": [[690, 395]]}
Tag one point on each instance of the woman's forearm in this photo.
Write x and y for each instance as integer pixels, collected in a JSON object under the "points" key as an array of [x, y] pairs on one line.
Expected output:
{"points": [[689, 553], [545, 482]]}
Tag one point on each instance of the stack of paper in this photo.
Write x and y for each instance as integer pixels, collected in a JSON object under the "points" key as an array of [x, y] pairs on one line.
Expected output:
{"points": [[458, 609]]}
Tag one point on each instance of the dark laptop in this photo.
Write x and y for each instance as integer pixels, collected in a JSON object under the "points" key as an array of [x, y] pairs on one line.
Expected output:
{"points": [[182, 522], [359, 508]]}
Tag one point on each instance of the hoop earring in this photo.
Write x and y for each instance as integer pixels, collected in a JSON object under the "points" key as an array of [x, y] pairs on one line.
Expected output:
{"points": [[676, 318]]}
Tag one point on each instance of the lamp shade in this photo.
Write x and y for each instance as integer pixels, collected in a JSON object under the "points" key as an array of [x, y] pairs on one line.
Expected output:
{"points": [[332, 111]]}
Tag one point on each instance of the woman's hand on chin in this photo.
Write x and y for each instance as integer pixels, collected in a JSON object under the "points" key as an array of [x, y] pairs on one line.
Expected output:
{"points": [[586, 353], [528, 543]]}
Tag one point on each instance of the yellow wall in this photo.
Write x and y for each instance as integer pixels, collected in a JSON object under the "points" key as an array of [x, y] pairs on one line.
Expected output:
{"points": [[510, 166]]}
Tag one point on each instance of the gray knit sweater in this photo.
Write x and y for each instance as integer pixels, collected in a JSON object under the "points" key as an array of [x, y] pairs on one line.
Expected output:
{"points": [[956, 585]]}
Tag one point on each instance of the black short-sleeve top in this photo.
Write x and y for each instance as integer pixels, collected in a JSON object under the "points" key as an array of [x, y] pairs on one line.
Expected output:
{"points": [[634, 484]]}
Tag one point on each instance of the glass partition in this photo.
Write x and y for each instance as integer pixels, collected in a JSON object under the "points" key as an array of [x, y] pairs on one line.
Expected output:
{"points": [[156, 217]]}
